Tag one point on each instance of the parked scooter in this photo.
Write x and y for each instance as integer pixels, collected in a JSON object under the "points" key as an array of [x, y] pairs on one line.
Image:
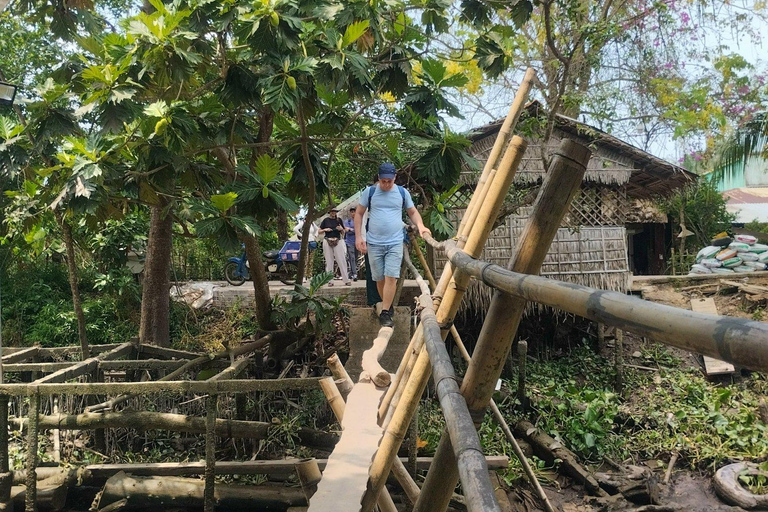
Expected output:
{"points": [[236, 270]]}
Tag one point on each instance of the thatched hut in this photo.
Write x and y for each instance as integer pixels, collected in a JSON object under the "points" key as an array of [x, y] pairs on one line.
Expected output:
{"points": [[613, 228]]}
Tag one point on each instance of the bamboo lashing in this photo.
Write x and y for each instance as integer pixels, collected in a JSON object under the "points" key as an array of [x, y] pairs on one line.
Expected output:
{"points": [[414, 386], [563, 180]]}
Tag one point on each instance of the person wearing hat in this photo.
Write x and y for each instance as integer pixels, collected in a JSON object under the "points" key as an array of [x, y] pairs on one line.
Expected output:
{"points": [[385, 202], [349, 240], [333, 246]]}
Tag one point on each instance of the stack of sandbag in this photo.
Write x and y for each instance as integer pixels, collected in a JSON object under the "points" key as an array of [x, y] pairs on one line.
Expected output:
{"points": [[727, 256]]}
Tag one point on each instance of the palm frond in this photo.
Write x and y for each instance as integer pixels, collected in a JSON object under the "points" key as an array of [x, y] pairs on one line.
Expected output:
{"points": [[749, 140]]}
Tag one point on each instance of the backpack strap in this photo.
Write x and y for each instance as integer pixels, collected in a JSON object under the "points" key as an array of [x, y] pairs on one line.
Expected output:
{"points": [[372, 190]]}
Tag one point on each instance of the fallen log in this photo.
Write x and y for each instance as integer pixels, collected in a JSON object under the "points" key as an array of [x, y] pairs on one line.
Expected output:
{"points": [[51, 495], [155, 492], [174, 422], [547, 449]]}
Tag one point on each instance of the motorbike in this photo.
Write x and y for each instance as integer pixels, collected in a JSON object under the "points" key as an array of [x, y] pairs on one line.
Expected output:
{"points": [[236, 270]]}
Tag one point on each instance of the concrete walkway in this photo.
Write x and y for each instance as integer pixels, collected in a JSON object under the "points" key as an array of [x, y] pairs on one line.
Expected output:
{"points": [[225, 294]]}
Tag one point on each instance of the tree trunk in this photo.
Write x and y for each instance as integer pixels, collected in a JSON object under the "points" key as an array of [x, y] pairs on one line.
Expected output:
{"points": [[155, 298], [261, 296], [310, 218], [66, 231], [282, 225]]}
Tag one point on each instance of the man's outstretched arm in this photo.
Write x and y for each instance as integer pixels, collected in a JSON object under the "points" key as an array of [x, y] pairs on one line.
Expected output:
{"points": [[415, 217]]}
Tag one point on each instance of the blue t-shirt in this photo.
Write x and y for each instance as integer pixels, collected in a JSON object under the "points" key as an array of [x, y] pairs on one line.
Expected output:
{"points": [[385, 219], [350, 236]]}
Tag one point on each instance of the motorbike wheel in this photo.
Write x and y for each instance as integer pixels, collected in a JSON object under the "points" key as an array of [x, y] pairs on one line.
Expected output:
{"points": [[231, 274], [287, 273]]}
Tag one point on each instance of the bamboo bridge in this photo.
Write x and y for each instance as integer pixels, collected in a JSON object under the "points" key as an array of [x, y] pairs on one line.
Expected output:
{"points": [[376, 411]]}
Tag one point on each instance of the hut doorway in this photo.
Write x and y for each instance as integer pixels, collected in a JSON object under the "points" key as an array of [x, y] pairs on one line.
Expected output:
{"points": [[646, 244]]}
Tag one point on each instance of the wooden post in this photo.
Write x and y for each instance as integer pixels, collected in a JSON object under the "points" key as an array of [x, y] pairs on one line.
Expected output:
{"points": [[562, 182], [619, 359], [309, 474], [413, 387], [209, 500], [522, 360], [6, 477], [31, 465], [600, 338], [413, 443]]}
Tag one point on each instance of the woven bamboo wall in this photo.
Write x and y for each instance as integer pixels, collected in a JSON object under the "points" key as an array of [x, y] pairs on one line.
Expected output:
{"points": [[594, 256]]}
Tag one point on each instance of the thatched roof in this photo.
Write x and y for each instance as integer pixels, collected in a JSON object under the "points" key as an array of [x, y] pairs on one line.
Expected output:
{"points": [[613, 162]]}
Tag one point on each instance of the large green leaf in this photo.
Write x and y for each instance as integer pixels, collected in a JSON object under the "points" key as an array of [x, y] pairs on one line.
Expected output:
{"points": [[354, 31], [267, 168], [224, 202]]}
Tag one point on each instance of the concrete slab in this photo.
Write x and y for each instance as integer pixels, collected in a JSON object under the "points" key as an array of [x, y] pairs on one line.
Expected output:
{"points": [[363, 328]]}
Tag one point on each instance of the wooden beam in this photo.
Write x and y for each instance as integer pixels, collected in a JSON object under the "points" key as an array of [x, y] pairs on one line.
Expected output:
{"points": [[166, 353], [126, 364], [169, 386], [21, 355], [233, 370], [83, 367], [145, 420], [96, 474]]}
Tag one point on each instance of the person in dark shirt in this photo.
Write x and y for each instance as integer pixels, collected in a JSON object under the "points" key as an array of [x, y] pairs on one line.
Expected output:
{"points": [[333, 246], [349, 240]]}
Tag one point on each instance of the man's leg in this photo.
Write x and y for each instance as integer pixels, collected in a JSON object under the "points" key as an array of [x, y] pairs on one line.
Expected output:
{"points": [[387, 288]]}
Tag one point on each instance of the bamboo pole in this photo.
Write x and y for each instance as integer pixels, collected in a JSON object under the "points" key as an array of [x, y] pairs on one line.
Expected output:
{"points": [[522, 354], [86, 366], [484, 184], [332, 394], [475, 483], [522, 351], [209, 499], [144, 420], [738, 341], [619, 360], [309, 474], [562, 182], [31, 463], [446, 311], [6, 477], [342, 378], [452, 290]]}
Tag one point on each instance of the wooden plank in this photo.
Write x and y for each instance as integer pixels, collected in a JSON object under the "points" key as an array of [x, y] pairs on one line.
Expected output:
{"points": [[126, 364], [712, 366], [346, 475]]}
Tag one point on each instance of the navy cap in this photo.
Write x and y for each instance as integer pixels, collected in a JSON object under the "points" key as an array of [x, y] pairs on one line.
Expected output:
{"points": [[387, 171]]}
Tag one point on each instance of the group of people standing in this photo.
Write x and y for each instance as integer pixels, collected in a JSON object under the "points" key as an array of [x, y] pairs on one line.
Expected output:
{"points": [[382, 244]]}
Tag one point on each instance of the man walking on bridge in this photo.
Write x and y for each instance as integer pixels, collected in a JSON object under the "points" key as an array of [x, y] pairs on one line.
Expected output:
{"points": [[384, 241]]}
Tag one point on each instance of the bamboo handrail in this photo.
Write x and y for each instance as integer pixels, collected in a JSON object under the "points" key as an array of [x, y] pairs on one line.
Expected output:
{"points": [[496, 412], [735, 340], [477, 487], [562, 182]]}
